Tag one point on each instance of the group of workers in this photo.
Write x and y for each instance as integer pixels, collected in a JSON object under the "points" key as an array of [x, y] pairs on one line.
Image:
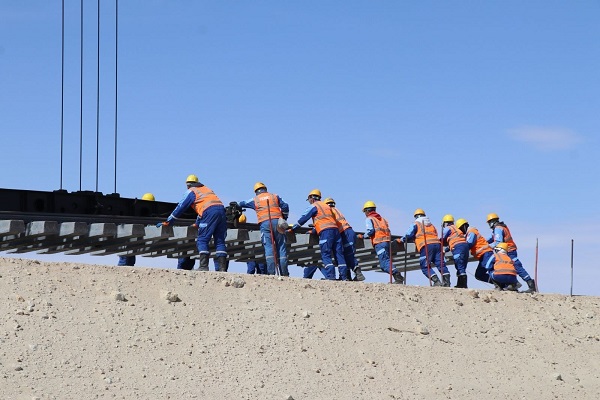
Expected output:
{"points": [[498, 262]]}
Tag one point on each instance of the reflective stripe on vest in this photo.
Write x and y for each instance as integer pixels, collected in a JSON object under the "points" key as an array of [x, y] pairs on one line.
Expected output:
{"points": [[503, 265], [425, 233], [325, 218], [481, 245], [455, 237], [341, 220], [262, 211], [205, 198], [507, 237], [382, 231]]}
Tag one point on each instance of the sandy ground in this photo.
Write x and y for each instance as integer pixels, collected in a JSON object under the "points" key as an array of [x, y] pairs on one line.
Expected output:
{"points": [[72, 331]]}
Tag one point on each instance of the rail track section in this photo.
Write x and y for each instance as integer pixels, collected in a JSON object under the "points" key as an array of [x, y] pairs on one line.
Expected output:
{"points": [[72, 234]]}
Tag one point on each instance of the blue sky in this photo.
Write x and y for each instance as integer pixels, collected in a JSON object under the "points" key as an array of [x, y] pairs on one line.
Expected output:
{"points": [[461, 107]]}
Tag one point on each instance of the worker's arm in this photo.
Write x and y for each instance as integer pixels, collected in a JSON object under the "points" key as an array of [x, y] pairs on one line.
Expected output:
{"points": [[496, 237], [184, 204], [490, 264], [471, 239], [369, 228], [310, 212], [410, 233], [248, 204], [445, 235], [285, 208]]}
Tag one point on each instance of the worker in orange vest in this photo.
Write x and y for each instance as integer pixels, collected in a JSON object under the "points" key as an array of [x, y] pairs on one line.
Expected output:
{"points": [[501, 268], [378, 230], [479, 247], [348, 236], [270, 209], [500, 234], [211, 221], [428, 244], [330, 241], [457, 243]]}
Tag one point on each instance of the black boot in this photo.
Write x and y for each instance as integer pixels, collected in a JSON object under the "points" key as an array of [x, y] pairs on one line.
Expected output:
{"points": [[446, 280], [532, 287], [223, 263], [358, 275], [203, 262], [461, 282], [398, 278], [436, 281]]}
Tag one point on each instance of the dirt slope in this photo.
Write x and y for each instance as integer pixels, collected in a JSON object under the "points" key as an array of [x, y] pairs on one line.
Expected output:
{"points": [[74, 331]]}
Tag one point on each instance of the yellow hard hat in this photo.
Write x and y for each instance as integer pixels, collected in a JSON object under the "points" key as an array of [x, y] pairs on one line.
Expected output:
{"points": [[259, 185], [418, 211], [460, 222], [492, 216], [448, 218], [148, 196], [329, 200], [191, 178], [315, 192], [503, 246], [242, 219], [368, 204]]}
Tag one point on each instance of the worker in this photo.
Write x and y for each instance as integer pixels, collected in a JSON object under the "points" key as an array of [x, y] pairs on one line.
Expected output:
{"points": [[501, 234], [479, 247], [270, 209], [256, 267], [428, 244], [348, 236], [501, 268], [129, 261], [211, 221], [325, 225], [457, 243], [378, 230]]}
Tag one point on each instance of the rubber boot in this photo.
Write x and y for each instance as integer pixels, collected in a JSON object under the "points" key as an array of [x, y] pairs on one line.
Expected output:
{"points": [[446, 280], [398, 278], [223, 263], [203, 262], [358, 275], [532, 287], [435, 280], [461, 282]]}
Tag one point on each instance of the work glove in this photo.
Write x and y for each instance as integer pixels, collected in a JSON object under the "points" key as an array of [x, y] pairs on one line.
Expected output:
{"points": [[402, 239], [165, 223], [285, 216], [446, 249]]}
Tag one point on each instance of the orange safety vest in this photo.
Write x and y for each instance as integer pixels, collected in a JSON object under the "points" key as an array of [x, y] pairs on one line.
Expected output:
{"points": [[325, 217], [481, 245], [382, 231], [341, 220], [504, 265], [508, 237], [455, 237], [263, 211], [424, 233], [205, 198]]}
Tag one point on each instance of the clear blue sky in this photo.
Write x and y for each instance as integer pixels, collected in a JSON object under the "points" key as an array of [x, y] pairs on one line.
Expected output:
{"points": [[461, 107]]}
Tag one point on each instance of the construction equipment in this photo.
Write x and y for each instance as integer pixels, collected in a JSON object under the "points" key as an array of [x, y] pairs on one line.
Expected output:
{"points": [[233, 212]]}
